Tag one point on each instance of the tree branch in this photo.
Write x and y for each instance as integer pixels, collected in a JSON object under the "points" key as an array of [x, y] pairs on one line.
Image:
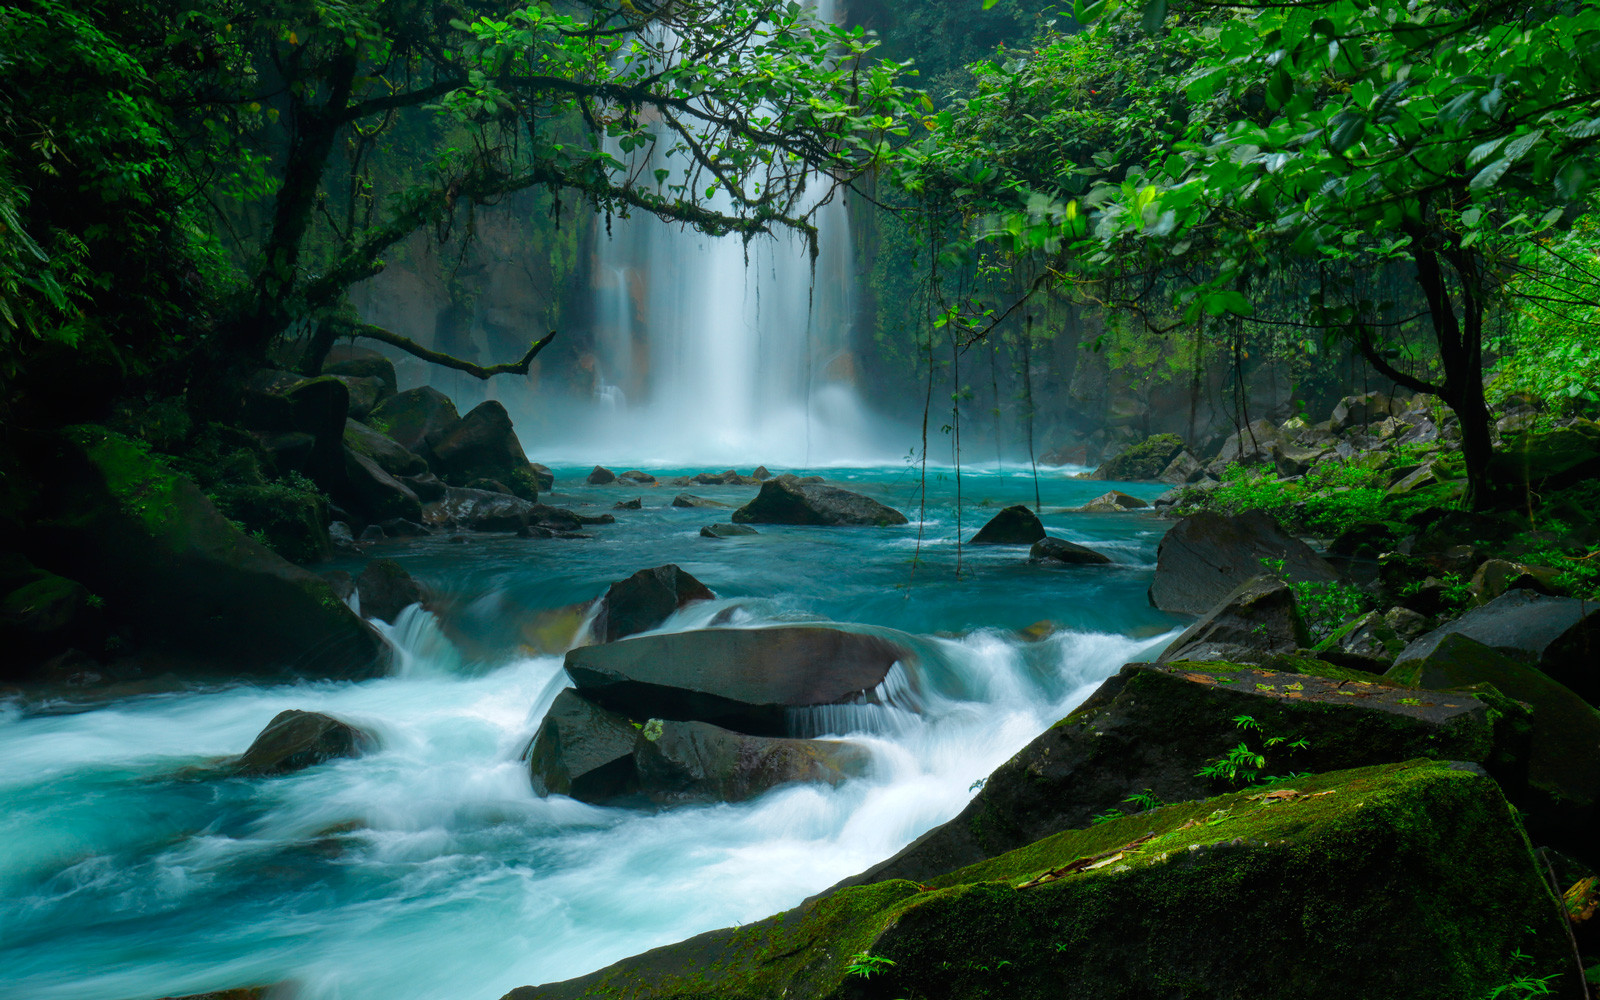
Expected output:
{"points": [[1378, 361], [348, 328]]}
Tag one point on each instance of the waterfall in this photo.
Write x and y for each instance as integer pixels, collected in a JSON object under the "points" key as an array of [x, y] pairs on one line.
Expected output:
{"points": [[710, 350]]}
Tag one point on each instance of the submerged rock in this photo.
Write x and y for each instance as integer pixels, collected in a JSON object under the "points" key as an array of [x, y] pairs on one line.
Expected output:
{"points": [[637, 478], [1403, 880], [743, 679], [295, 740], [1152, 730], [1111, 503], [637, 503], [1259, 620], [478, 510], [645, 600], [1016, 525], [690, 500], [596, 756], [1206, 555], [722, 530], [787, 500], [1059, 550]]}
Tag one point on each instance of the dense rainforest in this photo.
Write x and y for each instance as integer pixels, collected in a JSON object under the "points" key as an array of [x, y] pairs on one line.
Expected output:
{"points": [[1259, 342]]}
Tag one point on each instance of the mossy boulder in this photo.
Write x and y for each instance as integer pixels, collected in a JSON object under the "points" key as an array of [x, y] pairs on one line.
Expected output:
{"points": [[374, 494], [1560, 635], [182, 582], [787, 500], [596, 756], [295, 740], [645, 600], [1564, 746], [360, 362], [1562, 454], [43, 615], [386, 589], [1397, 882], [484, 445], [382, 449], [291, 515], [1015, 525], [1143, 461], [744, 679], [416, 419], [1154, 729]]}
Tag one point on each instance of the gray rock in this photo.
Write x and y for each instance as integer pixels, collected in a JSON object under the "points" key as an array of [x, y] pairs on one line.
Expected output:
{"points": [[637, 503], [1110, 503], [1206, 555], [388, 453], [787, 500], [722, 530], [1559, 635], [645, 600], [375, 494], [479, 510], [416, 419], [1256, 622], [386, 589], [690, 500], [1016, 525], [600, 476], [1059, 550], [1183, 469], [1356, 411], [484, 445], [637, 478], [295, 740]]}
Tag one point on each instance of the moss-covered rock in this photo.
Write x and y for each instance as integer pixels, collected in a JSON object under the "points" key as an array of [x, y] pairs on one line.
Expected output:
{"points": [[416, 419], [43, 615], [1408, 880], [1259, 619], [483, 445], [1143, 461], [291, 516], [181, 581], [1155, 730]]}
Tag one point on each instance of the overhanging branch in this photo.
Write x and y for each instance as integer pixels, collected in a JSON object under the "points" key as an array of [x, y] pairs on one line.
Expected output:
{"points": [[347, 328], [1378, 361]]}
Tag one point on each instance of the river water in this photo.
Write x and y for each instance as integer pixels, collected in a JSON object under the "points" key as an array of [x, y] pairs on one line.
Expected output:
{"points": [[428, 869]]}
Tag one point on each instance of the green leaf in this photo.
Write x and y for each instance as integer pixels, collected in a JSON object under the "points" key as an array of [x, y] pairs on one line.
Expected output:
{"points": [[1483, 151], [1489, 176], [989, 3], [1348, 128], [1155, 15]]}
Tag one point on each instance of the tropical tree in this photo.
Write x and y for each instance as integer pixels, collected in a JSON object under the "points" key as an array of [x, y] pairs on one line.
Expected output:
{"points": [[1454, 144]]}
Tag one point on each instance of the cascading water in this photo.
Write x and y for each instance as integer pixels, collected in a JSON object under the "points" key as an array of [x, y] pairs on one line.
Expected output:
{"points": [[134, 868]]}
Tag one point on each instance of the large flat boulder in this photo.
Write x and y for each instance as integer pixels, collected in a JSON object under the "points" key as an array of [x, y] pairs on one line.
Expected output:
{"points": [[742, 679], [787, 500], [1560, 635], [181, 581], [1256, 622], [1206, 555], [1407, 880], [645, 600], [596, 756], [1154, 729]]}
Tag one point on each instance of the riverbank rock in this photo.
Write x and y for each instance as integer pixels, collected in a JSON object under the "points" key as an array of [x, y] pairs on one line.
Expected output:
{"points": [[479, 510], [1560, 635], [690, 500], [1564, 745], [787, 500], [178, 580], [1143, 461], [1256, 622], [637, 478], [295, 740], [596, 756], [386, 589], [1015, 525], [374, 494], [1204, 556], [645, 600], [416, 419], [1111, 503], [1059, 551], [722, 530], [484, 445], [600, 476], [42, 615], [1407, 880], [1152, 729], [543, 477], [742, 679], [360, 362]]}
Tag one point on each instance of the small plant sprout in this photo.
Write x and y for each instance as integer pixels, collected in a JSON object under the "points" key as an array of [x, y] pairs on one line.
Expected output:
{"points": [[867, 965]]}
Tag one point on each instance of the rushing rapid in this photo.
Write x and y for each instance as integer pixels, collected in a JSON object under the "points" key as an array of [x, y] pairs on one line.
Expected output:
{"points": [[429, 869]]}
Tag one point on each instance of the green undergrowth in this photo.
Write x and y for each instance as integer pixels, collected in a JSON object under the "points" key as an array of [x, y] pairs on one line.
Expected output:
{"points": [[1331, 498]]}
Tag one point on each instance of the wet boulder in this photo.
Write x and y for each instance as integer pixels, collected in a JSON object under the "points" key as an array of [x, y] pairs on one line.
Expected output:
{"points": [[600, 476], [385, 451], [295, 740], [1560, 635], [727, 477], [1061, 551], [1378, 635], [1564, 746], [645, 600], [484, 445], [637, 503], [543, 476], [373, 493], [386, 589], [1016, 525], [479, 510], [416, 419], [1154, 729], [787, 500], [1407, 879], [41, 616], [1112, 503], [743, 679], [637, 478], [365, 394], [1203, 557], [181, 581], [1259, 620], [600, 757], [360, 362], [722, 530], [427, 486]]}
